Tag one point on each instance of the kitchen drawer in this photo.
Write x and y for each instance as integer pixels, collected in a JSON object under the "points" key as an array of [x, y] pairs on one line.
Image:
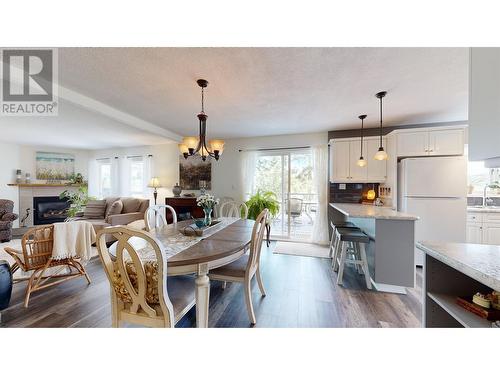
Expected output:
{"points": [[474, 217], [491, 217]]}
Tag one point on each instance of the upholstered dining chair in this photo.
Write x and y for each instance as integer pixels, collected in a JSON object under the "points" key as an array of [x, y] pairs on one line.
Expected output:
{"points": [[246, 267], [233, 209], [156, 216], [141, 292]]}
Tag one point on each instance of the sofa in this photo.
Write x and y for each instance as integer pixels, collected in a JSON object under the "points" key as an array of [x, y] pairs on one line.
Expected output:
{"points": [[132, 209], [7, 217]]}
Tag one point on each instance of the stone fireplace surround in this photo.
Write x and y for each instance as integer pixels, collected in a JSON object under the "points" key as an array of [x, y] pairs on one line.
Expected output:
{"points": [[27, 193]]}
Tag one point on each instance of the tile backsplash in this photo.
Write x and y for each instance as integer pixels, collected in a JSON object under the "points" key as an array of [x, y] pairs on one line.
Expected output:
{"points": [[478, 201]]}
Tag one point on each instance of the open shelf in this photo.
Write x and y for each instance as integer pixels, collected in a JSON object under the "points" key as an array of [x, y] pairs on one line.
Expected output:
{"points": [[461, 315]]}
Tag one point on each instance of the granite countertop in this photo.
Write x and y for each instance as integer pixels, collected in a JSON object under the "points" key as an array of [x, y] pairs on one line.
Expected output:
{"points": [[372, 212], [483, 209], [480, 262]]}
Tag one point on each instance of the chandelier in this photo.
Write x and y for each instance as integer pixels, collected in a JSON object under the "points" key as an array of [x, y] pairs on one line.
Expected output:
{"points": [[198, 145]]}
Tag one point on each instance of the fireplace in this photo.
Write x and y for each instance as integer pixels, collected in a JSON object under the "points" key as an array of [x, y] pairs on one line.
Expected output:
{"points": [[48, 210]]}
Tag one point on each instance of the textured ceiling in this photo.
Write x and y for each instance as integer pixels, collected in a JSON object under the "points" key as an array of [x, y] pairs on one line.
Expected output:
{"points": [[270, 91]]}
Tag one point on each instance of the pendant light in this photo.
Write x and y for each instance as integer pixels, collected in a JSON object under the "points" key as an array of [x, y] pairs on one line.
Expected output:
{"points": [[381, 154], [361, 161], [198, 145]]}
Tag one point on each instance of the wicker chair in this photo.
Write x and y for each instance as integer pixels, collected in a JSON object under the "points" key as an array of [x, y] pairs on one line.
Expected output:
{"points": [[36, 255]]}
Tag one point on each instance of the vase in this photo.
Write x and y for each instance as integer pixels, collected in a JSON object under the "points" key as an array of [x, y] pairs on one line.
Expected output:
{"points": [[177, 190], [208, 216]]}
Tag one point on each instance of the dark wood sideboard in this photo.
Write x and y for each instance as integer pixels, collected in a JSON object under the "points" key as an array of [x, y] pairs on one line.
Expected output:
{"points": [[185, 207]]}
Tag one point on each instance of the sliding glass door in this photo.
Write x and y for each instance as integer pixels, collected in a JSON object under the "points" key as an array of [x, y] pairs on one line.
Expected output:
{"points": [[288, 174]]}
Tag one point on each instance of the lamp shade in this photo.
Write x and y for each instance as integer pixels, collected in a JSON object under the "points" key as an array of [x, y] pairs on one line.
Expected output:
{"points": [[381, 154], [154, 183], [217, 145], [183, 148], [190, 142], [370, 194], [361, 162]]}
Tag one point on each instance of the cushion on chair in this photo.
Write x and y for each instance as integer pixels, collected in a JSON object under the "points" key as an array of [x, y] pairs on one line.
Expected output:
{"points": [[115, 208], [180, 289], [348, 234], [138, 224], [95, 209], [234, 269], [346, 224], [4, 225]]}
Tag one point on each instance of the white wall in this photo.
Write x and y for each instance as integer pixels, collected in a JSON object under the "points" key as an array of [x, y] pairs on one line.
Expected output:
{"points": [[226, 176], [14, 156]]}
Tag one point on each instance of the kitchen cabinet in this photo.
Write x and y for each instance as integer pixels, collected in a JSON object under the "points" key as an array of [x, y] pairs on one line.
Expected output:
{"points": [[474, 233], [491, 234], [434, 142], [483, 228], [344, 155], [339, 161]]}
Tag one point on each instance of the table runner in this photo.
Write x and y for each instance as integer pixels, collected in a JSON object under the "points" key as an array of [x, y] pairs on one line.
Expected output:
{"points": [[176, 243]]}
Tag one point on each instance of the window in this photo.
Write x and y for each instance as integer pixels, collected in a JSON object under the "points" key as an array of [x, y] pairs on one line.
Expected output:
{"points": [[479, 177], [104, 178], [137, 175]]}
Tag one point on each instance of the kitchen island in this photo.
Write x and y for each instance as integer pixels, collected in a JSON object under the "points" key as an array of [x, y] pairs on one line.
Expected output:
{"points": [[454, 270], [391, 250]]}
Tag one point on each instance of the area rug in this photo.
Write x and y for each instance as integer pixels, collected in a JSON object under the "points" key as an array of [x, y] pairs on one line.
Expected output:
{"points": [[301, 249]]}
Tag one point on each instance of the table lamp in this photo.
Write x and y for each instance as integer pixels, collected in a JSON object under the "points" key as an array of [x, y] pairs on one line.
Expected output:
{"points": [[155, 184]]}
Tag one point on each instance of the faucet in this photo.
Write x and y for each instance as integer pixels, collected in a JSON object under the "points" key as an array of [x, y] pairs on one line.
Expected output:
{"points": [[486, 200]]}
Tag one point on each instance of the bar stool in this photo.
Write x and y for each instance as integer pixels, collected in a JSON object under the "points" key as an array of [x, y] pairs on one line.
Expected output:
{"points": [[355, 254], [334, 239]]}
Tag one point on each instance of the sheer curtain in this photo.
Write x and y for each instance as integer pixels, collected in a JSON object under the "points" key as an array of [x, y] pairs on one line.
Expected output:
{"points": [[115, 177], [124, 173], [320, 181], [93, 178], [248, 163]]}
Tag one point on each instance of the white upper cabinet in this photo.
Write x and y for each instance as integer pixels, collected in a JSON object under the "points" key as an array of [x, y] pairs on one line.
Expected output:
{"points": [[339, 161], [446, 142], [433, 142], [376, 169], [344, 154], [412, 143]]}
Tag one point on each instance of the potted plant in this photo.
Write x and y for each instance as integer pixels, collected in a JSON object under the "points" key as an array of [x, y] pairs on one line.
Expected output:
{"points": [[77, 199], [261, 200]]}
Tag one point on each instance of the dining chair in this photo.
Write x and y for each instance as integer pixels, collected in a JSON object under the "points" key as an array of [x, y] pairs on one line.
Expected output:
{"points": [[141, 292], [233, 209], [156, 216], [246, 267]]}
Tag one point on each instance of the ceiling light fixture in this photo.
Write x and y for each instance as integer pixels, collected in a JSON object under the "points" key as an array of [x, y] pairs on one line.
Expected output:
{"points": [[381, 154], [198, 145], [361, 161]]}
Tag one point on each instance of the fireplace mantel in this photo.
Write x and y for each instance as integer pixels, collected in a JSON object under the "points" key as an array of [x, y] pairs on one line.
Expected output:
{"points": [[47, 185]]}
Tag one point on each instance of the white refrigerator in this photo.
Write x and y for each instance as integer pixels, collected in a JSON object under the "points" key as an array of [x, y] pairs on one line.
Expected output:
{"points": [[435, 189]]}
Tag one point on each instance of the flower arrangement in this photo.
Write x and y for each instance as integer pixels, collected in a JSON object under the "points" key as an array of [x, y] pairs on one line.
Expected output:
{"points": [[207, 201]]}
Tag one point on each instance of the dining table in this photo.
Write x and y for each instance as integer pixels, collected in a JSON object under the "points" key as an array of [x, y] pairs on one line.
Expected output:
{"points": [[219, 245]]}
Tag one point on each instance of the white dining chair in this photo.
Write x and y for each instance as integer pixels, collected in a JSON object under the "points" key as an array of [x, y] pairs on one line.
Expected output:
{"points": [[141, 292], [246, 267], [156, 216], [233, 209]]}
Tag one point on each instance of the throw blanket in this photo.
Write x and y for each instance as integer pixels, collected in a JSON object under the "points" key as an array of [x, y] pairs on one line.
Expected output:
{"points": [[73, 239]]}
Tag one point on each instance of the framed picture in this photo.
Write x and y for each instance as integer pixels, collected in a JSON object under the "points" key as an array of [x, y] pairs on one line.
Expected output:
{"points": [[193, 170], [54, 166]]}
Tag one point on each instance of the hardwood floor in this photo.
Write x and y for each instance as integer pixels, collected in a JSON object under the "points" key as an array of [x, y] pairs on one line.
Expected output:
{"points": [[301, 292]]}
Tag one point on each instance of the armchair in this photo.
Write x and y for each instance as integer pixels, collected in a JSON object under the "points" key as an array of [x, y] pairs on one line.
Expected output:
{"points": [[6, 218]]}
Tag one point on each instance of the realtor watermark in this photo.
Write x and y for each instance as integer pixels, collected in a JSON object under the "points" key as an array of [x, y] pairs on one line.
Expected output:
{"points": [[29, 82]]}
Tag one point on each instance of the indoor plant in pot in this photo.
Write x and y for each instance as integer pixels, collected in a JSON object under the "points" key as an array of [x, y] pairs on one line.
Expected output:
{"points": [[77, 199], [261, 200]]}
